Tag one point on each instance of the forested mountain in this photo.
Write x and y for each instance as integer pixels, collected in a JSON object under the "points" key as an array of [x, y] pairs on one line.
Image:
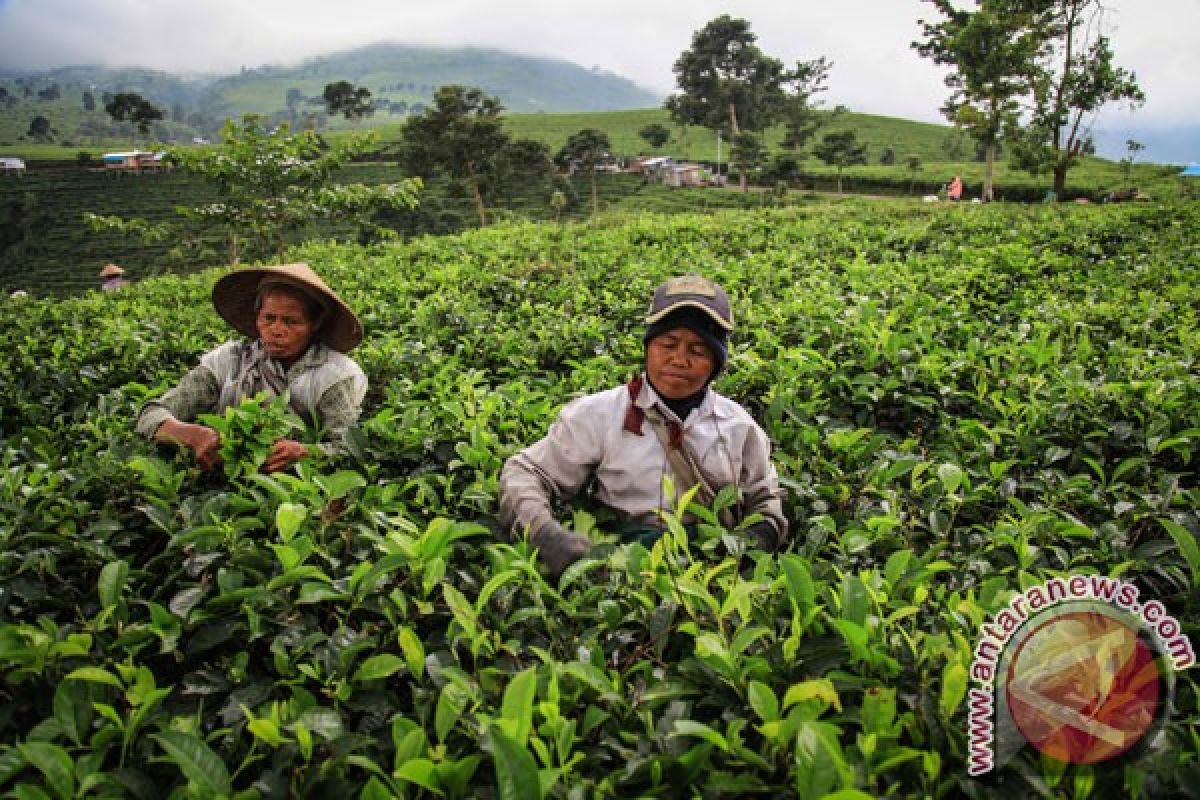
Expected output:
{"points": [[402, 80]]}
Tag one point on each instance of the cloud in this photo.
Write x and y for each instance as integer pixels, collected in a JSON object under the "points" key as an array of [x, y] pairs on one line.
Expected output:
{"points": [[875, 70]]}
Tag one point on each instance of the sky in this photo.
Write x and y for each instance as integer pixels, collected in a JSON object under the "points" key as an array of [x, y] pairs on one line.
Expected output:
{"points": [[874, 68]]}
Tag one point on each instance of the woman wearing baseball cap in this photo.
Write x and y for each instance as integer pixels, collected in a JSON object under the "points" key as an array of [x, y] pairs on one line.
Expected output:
{"points": [[298, 331], [666, 421]]}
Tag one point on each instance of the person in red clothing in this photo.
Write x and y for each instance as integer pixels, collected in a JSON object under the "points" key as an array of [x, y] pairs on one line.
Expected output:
{"points": [[954, 189]]}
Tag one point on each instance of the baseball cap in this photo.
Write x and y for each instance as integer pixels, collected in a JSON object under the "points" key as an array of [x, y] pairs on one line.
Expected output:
{"points": [[691, 291]]}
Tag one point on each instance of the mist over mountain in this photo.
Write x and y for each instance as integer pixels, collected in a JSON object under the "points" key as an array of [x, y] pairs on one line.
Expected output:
{"points": [[394, 73]]}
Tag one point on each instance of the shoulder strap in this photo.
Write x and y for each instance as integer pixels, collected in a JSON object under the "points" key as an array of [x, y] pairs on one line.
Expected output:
{"points": [[683, 464]]}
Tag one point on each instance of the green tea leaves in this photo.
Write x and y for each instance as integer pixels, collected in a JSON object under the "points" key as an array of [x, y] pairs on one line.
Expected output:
{"points": [[197, 761]]}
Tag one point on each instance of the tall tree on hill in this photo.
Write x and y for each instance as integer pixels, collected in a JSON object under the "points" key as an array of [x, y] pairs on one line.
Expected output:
{"points": [[132, 107], [992, 51], [40, 129], [912, 162], [656, 135], [728, 84], [463, 136], [1132, 148], [841, 149], [351, 102], [588, 148], [747, 153], [1074, 77], [527, 162], [89, 101]]}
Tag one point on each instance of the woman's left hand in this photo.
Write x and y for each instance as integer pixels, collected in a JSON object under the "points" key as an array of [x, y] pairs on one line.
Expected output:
{"points": [[284, 453]]}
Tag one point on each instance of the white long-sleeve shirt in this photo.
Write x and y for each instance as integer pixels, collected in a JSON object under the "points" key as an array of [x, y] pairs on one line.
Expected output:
{"points": [[589, 438]]}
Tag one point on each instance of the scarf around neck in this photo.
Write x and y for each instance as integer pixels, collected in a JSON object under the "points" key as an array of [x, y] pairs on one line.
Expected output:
{"points": [[257, 372]]}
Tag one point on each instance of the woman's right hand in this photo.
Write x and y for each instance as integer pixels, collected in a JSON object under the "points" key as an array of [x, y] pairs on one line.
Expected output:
{"points": [[203, 441]]}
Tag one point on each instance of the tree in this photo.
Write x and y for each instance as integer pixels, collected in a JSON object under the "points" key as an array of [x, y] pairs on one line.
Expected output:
{"points": [[89, 101], [990, 51], [1073, 78], [954, 145], [728, 85], [801, 116], [747, 154], [463, 136], [1132, 148], [786, 168], [131, 107], [268, 184], [587, 148], [981, 151], [558, 202], [888, 157], [656, 135], [39, 128], [841, 149], [352, 103], [912, 162], [527, 162]]}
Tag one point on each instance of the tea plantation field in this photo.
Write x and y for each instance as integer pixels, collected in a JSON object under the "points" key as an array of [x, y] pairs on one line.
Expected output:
{"points": [[47, 248], [964, 403]]}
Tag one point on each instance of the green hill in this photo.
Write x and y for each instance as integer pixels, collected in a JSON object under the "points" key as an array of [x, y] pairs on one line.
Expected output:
{"points": [[930, 142], [402, 79], [408, 74]]}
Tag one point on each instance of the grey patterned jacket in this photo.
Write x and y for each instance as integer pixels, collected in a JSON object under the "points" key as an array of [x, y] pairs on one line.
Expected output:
{"points": [[323, 384]]}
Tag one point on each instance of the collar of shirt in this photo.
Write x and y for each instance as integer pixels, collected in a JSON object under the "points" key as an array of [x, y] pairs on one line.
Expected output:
{"points": [[316, 355], [648, 398]]}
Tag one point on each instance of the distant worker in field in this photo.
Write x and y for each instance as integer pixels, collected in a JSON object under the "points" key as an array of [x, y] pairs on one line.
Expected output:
{"points": [[298, 332], [954, 189], [112, 277], [666, 421]]}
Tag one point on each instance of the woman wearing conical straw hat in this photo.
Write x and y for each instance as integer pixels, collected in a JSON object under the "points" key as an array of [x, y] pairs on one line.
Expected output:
{"points": [[298, 331]]}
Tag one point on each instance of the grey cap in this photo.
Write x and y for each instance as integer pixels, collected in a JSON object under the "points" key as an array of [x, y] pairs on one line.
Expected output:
{"points": [[691, 291]]}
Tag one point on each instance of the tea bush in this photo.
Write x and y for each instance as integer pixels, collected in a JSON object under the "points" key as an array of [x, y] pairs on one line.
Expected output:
{"points": [[964, 402]]}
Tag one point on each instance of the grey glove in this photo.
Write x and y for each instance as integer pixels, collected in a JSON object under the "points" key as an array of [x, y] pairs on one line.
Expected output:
{"points": [[764, 536], [559, 547]]}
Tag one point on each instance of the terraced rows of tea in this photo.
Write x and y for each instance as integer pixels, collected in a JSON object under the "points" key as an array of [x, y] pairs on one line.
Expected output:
{"points": [[47, 248], [964, 402]]}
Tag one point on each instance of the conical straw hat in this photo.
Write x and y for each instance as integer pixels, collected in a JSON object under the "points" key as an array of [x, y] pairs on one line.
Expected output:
{"points": [[111, 271], [234, 294]]}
